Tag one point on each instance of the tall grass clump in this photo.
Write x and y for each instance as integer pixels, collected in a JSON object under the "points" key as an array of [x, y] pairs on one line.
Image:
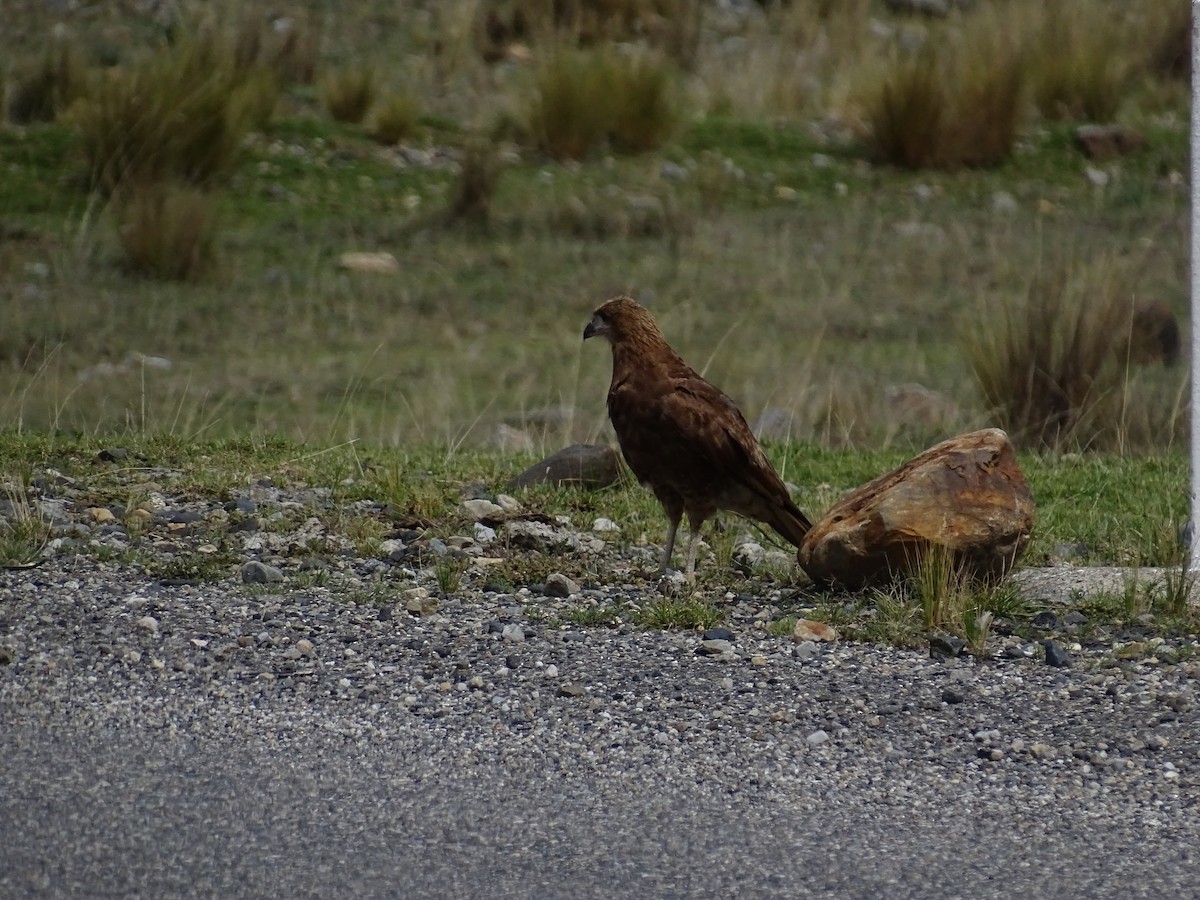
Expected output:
{"points": [[582, 98], [395, 118], [45, 89], [182, 114], [951, 103], [347, 94], [1080, 63], [1047, 362], [167, 230]]}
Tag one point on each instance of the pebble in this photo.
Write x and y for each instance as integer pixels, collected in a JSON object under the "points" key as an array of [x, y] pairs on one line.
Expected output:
{"points": [[255, 572]]}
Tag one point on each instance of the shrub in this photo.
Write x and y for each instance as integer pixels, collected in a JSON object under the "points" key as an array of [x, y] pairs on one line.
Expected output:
{"points": [[1078, 69], [167, 230], [478, 177], [583, 97], [348, 94], [183, 113], [395, 118], [1047, 363], [949, 105]]}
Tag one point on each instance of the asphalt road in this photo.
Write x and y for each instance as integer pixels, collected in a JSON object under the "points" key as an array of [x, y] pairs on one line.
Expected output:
{"points": [[139, 813]]}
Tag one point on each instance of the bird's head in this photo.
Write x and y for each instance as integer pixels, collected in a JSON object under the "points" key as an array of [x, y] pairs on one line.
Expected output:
{"points": [[619, 319]]}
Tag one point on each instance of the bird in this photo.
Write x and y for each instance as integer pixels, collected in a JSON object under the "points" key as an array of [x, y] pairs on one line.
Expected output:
{"points": [[682, 437]]}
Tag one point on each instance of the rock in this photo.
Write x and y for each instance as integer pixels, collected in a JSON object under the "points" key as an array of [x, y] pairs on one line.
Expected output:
{"points": [[373, 263], [112, 454], [747, 555], [808, 630], [483, 534], [559, 585], [571, 690], [717, 633], [945, 646], [481, 509], [148, 623], [304, 647], [817, 738], [101, 515], [514, 634], [1102, 142], [604, 526], [255, 572], [966, 495], [714, 648], [582, 465], [953, 695], [1055, 655]]}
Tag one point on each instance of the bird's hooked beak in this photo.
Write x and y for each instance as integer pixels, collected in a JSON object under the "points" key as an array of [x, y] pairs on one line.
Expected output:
{"points": [[595, 327]]}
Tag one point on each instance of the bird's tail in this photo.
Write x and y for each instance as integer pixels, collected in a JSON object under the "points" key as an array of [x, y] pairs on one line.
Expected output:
{"points": [[791, 524]]}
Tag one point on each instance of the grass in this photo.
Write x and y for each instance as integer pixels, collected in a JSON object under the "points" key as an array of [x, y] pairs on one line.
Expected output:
{"points": [[806, 281], [24, 529], [167, 230]]}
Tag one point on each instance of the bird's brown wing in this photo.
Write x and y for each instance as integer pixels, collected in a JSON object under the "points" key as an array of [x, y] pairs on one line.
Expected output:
{"points": [[684, 432]]}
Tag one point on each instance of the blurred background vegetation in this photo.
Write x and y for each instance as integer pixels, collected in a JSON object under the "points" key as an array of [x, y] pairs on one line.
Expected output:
{"points": [[872, 223]]}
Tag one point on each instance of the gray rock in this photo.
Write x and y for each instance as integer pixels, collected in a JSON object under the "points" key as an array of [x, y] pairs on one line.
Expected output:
{"points": [[255, 572], [559, 585], [1055, 655]]}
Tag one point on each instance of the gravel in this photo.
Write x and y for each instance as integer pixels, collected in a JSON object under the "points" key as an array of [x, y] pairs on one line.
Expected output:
{"points": [[245, 736]]}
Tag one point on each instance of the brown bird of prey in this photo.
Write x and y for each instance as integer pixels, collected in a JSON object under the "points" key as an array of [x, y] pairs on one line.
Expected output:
{"points": [[683, 438]]}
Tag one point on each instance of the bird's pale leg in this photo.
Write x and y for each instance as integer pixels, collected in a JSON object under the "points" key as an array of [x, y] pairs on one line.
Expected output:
{"points": [[693, 545], [670, 548]]}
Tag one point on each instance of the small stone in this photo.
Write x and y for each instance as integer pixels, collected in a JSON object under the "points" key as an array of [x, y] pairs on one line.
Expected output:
{"points": [[481, 509], [809, 630], [551, 671], [571, 690], [372, 263], [758, 660], [945, 646], [804, 650], [148, 623], [714, 648], [991, 754], [112, 454], [101, 516], [1004, 202], [717, 634], [1046, 620], [559, 585], [817, 738], [953, 695], [255, 572], [604, 526], [1055, 655], [475, 682], [484, 534], [304, 647], [508, 503], [514, 634]]}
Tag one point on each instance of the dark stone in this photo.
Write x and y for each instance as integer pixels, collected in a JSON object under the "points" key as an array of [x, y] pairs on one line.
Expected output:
{"points": [[945, 646], [385, 614], [953, 695], [1055, 655], [1046, 620], [476, 491], [495, 627], [112, 454], [580, 465], [718, 634], [571, 690], [1074, 617]]}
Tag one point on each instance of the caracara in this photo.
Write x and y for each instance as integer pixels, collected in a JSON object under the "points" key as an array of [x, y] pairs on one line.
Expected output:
{"points": [[683, 438]]}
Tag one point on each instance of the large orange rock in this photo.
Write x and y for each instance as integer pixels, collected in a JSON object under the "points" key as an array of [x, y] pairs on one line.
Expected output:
{"points": [[966, 495]]}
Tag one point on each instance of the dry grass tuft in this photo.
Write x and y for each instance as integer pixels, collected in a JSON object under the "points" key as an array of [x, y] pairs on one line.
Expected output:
{"points": [[1048, 363], [395, 118], [182, 114], [44, 90], [582, 98], [1079, 66], [478, 178], [348, 94], [950, 104], [167, 230]]}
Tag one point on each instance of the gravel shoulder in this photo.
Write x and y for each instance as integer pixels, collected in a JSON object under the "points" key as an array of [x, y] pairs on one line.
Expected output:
{"points": [[166, 737]]}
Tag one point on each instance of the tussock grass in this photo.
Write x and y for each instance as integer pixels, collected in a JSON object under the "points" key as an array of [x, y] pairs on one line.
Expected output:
{"points": [[40, 92], [24, 529], [182, 113], [949, 104], [1046, 362], [167, 230], [395, 118], [582, 98], [348, 94], [1080, 64]]}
